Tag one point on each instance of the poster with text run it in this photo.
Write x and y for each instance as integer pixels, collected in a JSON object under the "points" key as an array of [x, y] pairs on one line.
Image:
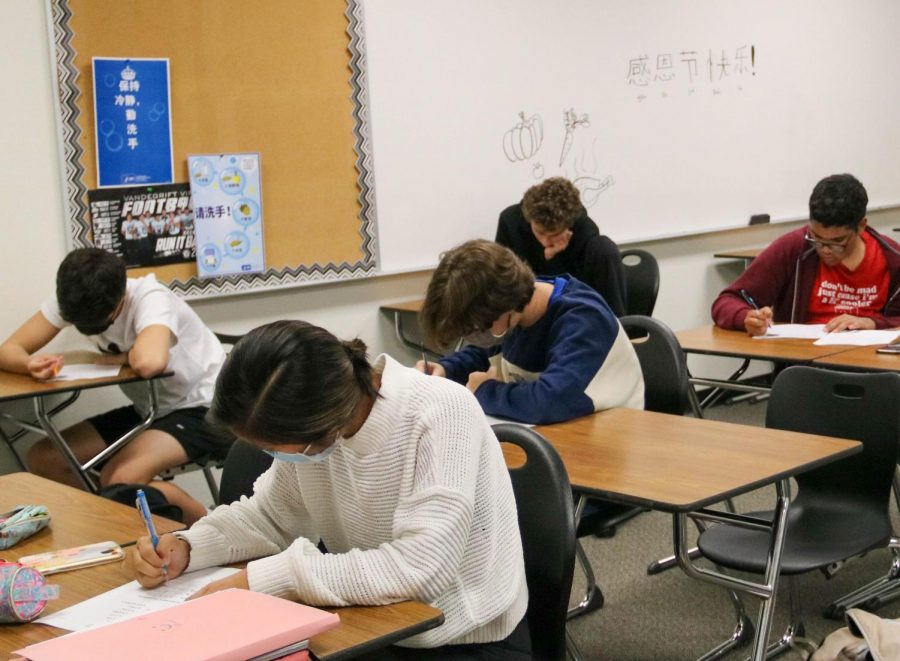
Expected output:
{"points": [[144, 225], [226, 189]]}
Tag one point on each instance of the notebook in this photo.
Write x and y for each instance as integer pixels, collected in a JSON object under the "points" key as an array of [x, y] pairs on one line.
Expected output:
{"points": [[230, 625]]}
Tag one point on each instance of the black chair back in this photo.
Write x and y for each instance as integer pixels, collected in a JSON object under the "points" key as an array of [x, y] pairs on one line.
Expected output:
{"points": [[547, 525], [667, 387], [860, 407], [641, 281], [228, 339], [243, 465]]}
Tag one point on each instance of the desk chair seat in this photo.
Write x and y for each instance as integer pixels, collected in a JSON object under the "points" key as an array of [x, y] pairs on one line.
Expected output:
{"points": [[816, 537], [842, 509]]}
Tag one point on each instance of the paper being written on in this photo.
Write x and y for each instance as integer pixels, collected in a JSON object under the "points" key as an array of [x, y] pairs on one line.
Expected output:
{"points": [[793, 332], [817, 332], [75, 372], [131, 600], [859, 338]]}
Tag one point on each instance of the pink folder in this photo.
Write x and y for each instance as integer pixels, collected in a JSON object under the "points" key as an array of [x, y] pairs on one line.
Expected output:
{"points": [[230, 625]]}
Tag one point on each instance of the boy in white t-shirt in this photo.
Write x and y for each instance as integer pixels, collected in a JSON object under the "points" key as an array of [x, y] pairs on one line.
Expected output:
{"points": [[141, 323]]}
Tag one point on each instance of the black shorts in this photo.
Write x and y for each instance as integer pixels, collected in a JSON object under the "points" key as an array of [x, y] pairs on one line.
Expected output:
{"points": [[187, 426]]}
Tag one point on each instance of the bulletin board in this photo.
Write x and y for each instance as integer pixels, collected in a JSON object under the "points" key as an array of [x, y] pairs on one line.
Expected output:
{"points": [[280, 77]]}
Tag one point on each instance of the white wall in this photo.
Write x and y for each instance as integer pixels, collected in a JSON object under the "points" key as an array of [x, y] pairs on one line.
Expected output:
{"points": [[34, 232]]}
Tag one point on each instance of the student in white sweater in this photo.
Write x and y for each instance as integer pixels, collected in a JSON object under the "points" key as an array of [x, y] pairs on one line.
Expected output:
{"points": [[397, 473]]}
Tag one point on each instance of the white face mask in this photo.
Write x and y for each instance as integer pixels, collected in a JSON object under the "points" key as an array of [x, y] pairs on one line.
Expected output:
{"points": [[485, 338], [302, 457]]}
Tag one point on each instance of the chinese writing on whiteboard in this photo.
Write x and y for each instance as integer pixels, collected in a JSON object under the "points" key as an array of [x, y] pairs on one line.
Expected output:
{"points": [[691, 71]]}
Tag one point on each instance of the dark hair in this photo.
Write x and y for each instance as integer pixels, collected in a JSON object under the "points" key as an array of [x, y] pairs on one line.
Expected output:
{"points": [[290, 382], [838, 201], [474, 284], [554, 204], [90, 284]]}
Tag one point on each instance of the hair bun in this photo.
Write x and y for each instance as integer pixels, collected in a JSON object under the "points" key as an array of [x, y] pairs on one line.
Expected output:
{"points": [[355, 348]]}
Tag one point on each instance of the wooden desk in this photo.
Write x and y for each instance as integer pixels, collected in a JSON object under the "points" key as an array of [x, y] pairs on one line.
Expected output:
{"points": [[77, 517], [713, 341], [363, 629], [406, 310], [746, 254], [862, 359], [679, 465], [366, 629], [16, 387]]}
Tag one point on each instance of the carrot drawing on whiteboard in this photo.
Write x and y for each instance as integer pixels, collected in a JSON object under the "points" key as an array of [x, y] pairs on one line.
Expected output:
{"points": [[571, 121]]}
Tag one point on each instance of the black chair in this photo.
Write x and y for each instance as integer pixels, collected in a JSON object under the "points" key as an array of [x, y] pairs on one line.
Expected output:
{"points": [[243, 465], [547, 526], [228, 339], [641, 281], [882, 590], [841, 509], [667, 386]]}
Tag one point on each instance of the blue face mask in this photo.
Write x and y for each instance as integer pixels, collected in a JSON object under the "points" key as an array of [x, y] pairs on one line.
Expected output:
{"points": [[302, 457]]}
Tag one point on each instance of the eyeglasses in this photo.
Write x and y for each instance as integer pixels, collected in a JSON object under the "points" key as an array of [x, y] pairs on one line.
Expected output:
{"points": [[838, 248]]}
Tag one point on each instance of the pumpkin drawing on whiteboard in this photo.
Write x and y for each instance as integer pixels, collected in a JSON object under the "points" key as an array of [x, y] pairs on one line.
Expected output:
{"points": [[523, 140]]}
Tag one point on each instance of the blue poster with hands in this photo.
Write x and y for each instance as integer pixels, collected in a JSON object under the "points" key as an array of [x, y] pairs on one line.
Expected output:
{"points": [[226, 190], [133, 121]]}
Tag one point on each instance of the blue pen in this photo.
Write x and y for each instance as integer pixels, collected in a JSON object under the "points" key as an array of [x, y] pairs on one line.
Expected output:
{"points": [[144, 510], [747, 297]]}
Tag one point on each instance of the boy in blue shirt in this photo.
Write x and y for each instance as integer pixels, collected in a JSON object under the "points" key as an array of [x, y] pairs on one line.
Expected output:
{"points": [[540, 350]]}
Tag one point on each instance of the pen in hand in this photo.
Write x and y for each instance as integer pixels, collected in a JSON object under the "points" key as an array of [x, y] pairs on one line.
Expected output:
{"points": [[144, 510], [752, 303], [425, 363]]}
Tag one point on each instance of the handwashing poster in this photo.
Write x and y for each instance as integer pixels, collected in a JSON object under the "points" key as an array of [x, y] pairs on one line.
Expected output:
{"points": [[133, 121], [227, 214]]}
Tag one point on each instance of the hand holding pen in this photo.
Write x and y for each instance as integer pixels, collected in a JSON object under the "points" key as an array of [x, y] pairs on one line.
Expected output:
{"points": [[144, 510], [758, 320], [432, 368], [157, 559]]}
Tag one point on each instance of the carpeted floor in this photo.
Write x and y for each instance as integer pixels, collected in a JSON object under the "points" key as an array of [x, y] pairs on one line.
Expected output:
{"points": [[671, 616]]}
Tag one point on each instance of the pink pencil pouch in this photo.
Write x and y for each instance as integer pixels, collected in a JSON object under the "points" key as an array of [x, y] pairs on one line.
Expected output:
{"points": [[23, 593], [21, 522]]}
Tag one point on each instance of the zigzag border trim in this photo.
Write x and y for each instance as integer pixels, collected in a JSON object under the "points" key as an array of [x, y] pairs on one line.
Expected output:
{"points": [[76, 192]]}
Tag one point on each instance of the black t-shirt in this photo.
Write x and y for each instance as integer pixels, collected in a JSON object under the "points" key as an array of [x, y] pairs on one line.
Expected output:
{"points": [[591, 257]]}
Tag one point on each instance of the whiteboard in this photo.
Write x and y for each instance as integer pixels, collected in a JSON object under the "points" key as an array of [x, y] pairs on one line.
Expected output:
{"points": [[672, 117]]}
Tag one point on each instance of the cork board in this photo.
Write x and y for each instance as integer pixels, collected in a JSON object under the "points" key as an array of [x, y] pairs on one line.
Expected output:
{"points": [[280, 78]]}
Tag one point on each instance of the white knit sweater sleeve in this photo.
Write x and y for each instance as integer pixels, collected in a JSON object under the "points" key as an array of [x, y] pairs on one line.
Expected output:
{"points": [[430, 526], [251, 527]]}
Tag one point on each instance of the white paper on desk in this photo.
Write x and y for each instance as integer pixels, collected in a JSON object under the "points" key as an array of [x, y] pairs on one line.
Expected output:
{"points": [[793, 332], [858, 338], [87, 371], [131, 600]]}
